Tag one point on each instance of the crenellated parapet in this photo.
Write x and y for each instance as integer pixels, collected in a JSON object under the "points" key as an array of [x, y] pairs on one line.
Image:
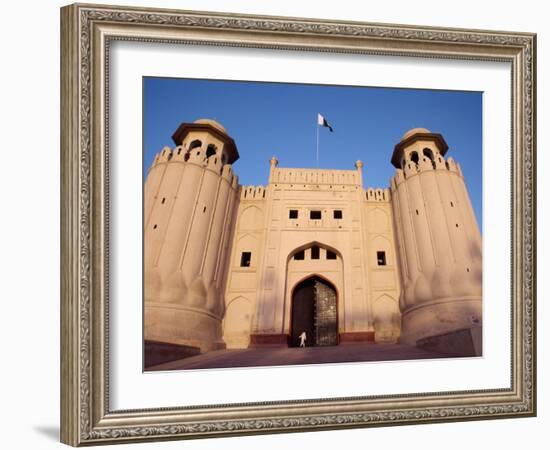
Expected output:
{"points": [[425, 164], [315, 176], [253, 192], [377, 195], [197, 156]]}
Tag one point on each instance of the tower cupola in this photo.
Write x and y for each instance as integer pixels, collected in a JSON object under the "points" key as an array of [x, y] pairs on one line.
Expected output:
{"points": [[416, 143], [206, 138]]}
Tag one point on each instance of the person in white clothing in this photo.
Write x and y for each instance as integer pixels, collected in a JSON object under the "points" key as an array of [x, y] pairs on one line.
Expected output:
{"points": [[303, 339]]}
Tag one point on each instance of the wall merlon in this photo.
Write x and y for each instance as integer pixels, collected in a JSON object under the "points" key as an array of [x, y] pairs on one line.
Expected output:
{"points": [[377, 195], [227, 173], [410, 169], [439, 162], [425, 164], [459, 169], [214, 163], [197, 156], [178, 154], [235, 182], [253, 192], [165, 155], [315, 176], [452, 166]]}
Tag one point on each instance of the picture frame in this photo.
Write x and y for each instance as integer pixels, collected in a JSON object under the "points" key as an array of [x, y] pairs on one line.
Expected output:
{"points": [[87, 32]]}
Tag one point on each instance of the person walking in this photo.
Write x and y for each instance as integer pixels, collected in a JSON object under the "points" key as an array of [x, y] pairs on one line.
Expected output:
{"points": [[303, 339]]}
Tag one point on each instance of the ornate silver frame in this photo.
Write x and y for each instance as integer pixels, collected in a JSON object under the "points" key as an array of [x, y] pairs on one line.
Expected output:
{"points": [[86, 31]]}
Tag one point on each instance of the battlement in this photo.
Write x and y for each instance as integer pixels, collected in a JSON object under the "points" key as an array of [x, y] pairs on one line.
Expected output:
{"points": [[315, 176], [253, 192], [425, 164], [377, 195], [198, 157]]}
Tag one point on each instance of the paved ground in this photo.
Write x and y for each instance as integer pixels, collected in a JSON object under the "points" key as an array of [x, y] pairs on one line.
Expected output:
{"points": [[310, 355]]}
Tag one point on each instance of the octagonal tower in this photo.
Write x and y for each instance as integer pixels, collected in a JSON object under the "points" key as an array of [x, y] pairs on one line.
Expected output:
{"points": [[439, 242], [189, 200]]}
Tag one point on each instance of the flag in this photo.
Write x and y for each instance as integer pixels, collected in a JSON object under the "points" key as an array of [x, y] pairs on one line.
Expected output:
{"points": [[323, 122]]}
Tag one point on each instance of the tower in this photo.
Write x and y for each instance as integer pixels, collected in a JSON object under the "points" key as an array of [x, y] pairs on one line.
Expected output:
{"points": [[439, 242], [190, 196]]}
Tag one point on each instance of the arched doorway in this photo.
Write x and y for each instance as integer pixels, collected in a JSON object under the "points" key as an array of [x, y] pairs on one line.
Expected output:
{"points": [[314, 311]]}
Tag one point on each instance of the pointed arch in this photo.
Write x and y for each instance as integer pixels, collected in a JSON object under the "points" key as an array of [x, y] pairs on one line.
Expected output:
{"points": [[380, 243], [249, 217], [378, 220], [314, 275], [237, 322], [314, 311], [247, 242], [313, 244]]}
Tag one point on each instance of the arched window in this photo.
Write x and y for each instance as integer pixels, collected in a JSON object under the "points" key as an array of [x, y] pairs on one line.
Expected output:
{"points": [[195, 144], [414, 157], [210, 151], [428, 153]]}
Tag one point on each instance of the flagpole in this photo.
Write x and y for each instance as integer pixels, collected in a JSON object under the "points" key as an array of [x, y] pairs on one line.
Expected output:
{"points": [[317, 154]]}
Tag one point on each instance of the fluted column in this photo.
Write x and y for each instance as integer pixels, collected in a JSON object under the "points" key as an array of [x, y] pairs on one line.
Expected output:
{"points": [[440, 244], [183, 301], [176, 235]]}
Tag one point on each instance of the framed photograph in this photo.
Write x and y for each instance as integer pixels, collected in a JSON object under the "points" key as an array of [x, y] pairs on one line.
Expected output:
{"points": [[277, 224]]}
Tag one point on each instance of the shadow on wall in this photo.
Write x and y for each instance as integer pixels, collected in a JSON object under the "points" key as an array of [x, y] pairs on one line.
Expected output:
{"points": [[476, 255]]}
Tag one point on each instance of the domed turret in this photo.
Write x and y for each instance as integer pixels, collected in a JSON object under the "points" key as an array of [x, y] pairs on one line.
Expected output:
{"points": [[190, 193], [213, 123], [439, 237], [414, 131], [414, 142], [209, 137]]}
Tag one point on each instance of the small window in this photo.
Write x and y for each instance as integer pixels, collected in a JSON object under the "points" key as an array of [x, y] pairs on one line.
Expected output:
{"points": [[154, 226], [245, 259], [381, 258], [163, 200], [452, 206], [195, 144], [204, 209], [299, 256], [293, 214], [315, 252], [331, 255], [210, 151], [338, 214], [315, 215]]}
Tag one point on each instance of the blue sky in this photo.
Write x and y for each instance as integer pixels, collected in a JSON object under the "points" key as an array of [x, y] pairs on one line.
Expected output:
{"points": [[267, 119]]}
